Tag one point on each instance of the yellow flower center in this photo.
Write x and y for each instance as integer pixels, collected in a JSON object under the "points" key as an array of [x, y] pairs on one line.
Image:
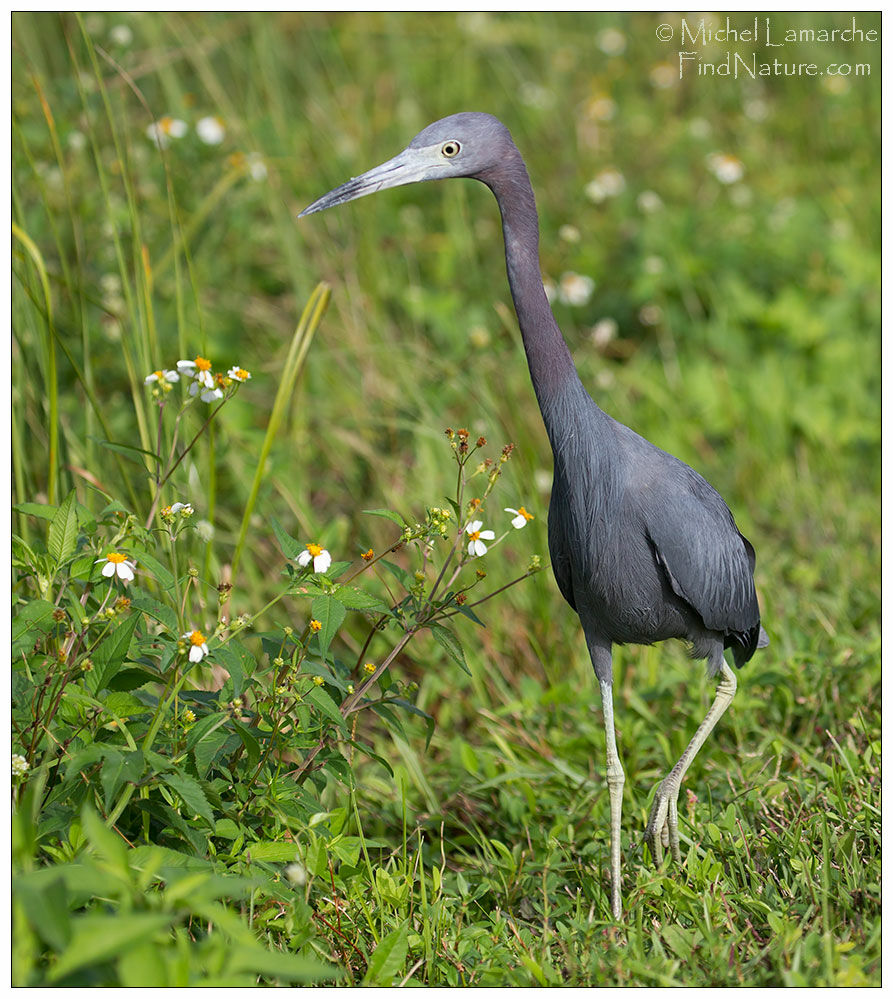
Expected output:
{"points": [[315, 625], [314, 549], [197, 638], [524, 513], [474, 535], [159, 375], [165, 124], [241, 373], [203, 364], [116, 557]]}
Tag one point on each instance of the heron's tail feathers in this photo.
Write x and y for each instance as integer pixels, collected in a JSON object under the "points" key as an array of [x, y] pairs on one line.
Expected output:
{"points": [[763, 640]]}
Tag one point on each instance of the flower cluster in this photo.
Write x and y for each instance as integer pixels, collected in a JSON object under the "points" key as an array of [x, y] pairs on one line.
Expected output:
{"points": [[201, 379], [440, 520]]}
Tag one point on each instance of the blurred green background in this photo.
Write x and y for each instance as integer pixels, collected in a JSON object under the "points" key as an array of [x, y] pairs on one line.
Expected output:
{"points": [[712, 246]]}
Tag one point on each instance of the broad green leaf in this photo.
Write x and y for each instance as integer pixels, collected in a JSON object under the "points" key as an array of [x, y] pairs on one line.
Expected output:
{"points": [[204, 727], [63, 533], [277, 853], [46, 907], [31, 623], [192, 794], [291, 548], [160, 612], [388, 957], [110, 653], [359, 600], [277, 964], [320, 699], [96, 939], [84, 567], [448, 640], [131, 679], [389, 515], [330, 613], [232, 663], [42, 510]]}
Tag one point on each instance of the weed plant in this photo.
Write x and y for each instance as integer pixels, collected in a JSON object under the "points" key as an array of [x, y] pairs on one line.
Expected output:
{"points": [[275, 718]]}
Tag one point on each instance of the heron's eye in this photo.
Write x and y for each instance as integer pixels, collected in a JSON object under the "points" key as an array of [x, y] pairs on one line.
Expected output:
{"points": [[450, 149]]}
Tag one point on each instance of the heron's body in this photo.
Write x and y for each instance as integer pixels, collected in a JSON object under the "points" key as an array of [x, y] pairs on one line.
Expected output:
{"points": [[642, 547]]}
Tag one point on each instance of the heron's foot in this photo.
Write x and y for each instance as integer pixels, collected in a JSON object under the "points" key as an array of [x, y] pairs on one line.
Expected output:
{"points": [[662, 830]]}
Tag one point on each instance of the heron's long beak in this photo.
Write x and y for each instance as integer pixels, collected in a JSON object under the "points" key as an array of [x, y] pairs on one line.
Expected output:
{"points": [[405, 168]]}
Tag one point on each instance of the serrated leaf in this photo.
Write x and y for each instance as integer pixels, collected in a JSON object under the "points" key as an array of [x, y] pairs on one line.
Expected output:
{"points": [[160, 612], [388, 957], [448, 641], [359, 600], [192, 794], [388, 515], [291, 548], [63, 533], [32, 622], [470, 614], [42, 510], [320, 699], [204, 727], [110, 654], [330, 613]]}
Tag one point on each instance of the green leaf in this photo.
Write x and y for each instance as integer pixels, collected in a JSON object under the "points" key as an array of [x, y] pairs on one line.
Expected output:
{"points": [[330, 613], [448, 640], [389, 515], [110, 654], [388, 957], [131, 679], [155, 569], [84, 567], [232, 663], [277, 964], [412, 709], [470, 614], [276, 853], [46, 906], [160, 612], [192, 794], [405, 579], [320, 699], [359, 600], [291, 548], [63, 533], [42, 510], [129, 451], [203, 727], [31, 623], [96, 939]]}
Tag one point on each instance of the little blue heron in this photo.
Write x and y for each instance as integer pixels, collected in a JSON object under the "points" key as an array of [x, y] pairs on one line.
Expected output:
{"points": [[642, 547]]}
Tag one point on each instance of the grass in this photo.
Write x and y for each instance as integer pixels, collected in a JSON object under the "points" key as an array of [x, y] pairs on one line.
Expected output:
{"points": [[734, 324]]}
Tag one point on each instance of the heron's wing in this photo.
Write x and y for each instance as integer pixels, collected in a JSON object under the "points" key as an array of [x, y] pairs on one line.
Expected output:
{"points": [[707, 561]]}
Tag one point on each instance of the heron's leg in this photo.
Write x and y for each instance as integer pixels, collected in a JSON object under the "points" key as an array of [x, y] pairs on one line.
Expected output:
{"points": [[615, 776], [663, 823]]}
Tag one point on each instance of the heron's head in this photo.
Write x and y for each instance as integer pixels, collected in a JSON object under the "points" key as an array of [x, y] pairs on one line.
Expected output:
{"points": [[468, 144]]}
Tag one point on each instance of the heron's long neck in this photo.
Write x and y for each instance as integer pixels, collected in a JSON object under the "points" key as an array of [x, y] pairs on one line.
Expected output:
{"points": [[551, 366]]}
